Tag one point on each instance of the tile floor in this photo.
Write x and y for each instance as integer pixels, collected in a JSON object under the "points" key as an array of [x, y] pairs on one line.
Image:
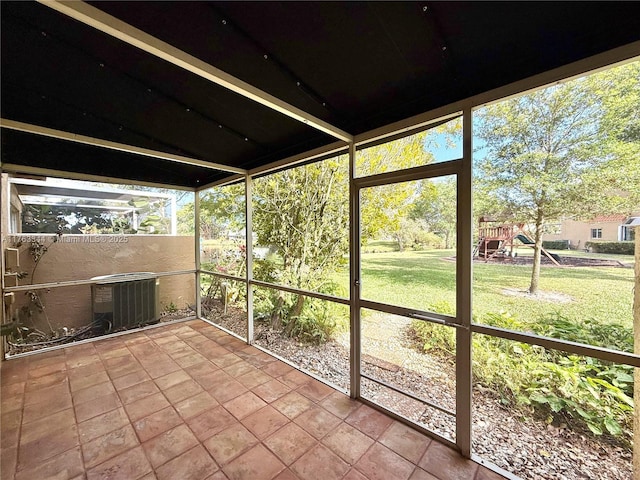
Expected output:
{"points": [[188, 401]]}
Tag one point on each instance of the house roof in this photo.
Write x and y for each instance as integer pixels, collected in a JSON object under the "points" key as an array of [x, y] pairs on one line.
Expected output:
{"points": [[613, 218], [336, 69]]}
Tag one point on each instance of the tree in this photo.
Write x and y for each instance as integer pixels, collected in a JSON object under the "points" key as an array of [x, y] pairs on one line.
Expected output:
{"points": [[302, 212], [620, 130], [383, 208], [186, 225], [67, 219], [303, 215], [545, 149], [222, 210], [436, 207], [618, 90]]}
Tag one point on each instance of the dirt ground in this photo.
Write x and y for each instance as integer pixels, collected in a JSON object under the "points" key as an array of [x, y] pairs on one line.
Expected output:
{"points": [[564, 261]]}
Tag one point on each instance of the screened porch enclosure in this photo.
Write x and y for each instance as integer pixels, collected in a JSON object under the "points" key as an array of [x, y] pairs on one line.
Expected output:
{"points": [[312, 183]]}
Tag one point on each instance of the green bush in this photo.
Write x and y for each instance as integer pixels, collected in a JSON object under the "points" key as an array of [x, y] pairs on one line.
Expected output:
{"points": [[582, 390], [556, 244], [434, 338], [622, 248], [585, 389], [317, 320], [426, 240], [590, 331], [314, 325]]}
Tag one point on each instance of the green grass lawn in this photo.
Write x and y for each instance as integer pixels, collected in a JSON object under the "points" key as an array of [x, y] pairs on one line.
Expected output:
{"points": [[579, 388], [422, 279]]}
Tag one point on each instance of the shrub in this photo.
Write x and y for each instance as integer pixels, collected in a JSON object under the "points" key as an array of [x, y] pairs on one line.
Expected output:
{"points": [[315, 324], [582, 390], [317, 320], [590, 331], [428, 240], [586, 390], [556, 244], [622, 248], [435, 338]]}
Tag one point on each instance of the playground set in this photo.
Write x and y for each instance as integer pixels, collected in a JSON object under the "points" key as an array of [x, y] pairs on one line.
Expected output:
{"points": [[496, 240]]}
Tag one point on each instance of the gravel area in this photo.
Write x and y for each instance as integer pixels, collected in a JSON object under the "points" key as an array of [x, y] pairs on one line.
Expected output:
{"points": [[510, 439]]}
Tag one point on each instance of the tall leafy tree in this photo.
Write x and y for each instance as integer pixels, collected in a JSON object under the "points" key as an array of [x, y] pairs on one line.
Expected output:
{"points": [[545, 151], [616, 185], [383, 208], [302, 212], [620, 129], [222, 209], [436, 207]]}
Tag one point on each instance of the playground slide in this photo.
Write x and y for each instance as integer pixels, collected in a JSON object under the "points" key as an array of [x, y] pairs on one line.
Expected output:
{"points": [[524, 239], [530, 243]]}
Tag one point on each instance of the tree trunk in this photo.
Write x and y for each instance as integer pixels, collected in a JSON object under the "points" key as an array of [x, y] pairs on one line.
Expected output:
{"points": [[537, 256], [295, 312], [276, 318], [636, 344]]}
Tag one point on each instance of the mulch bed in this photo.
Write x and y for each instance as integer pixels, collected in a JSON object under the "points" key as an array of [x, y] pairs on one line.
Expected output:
{"points": [[568, 261]]}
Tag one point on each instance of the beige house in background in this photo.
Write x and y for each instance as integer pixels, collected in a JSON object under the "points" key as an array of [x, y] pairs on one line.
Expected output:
{"points": [[612, 228]]}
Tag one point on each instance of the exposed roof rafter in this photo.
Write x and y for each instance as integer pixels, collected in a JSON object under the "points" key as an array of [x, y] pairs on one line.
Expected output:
{"points": [[98, 142], [128, 90], [98, 19]]}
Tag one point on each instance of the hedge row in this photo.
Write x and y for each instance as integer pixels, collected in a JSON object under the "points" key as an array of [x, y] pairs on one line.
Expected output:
{"points": [[556, 244], [623, 248]]}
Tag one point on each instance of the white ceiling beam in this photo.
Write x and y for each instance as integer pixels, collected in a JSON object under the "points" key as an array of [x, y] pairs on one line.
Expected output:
{"points": [[110, 25], [121, 147], [334, 148], [27, 170]]}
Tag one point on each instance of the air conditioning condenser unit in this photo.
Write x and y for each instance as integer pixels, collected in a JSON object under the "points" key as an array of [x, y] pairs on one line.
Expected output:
{"points": [[125, 300]]}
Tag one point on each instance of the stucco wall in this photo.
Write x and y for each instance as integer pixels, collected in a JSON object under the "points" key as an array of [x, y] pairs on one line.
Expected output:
{"points": [[81, 257], [579, 233]]}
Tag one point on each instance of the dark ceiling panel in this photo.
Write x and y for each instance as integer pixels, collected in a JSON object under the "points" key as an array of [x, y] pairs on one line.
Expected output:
{"points": [[21, 148], [377, 62], [333, 53], [204, 30], [101, 87], [357, 65], [357, 55]]}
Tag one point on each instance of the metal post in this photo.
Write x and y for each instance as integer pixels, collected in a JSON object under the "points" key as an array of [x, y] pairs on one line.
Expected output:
{"points": [[196, 239], [354, 275], [464, 272], [248, 189], [4, 221]]}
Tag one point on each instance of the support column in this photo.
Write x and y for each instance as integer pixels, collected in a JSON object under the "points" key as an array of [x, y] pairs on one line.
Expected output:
{"points": [[196, 238], [636, 349], [464, 266], [354, 276], [4, 230], [248, 196]]}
